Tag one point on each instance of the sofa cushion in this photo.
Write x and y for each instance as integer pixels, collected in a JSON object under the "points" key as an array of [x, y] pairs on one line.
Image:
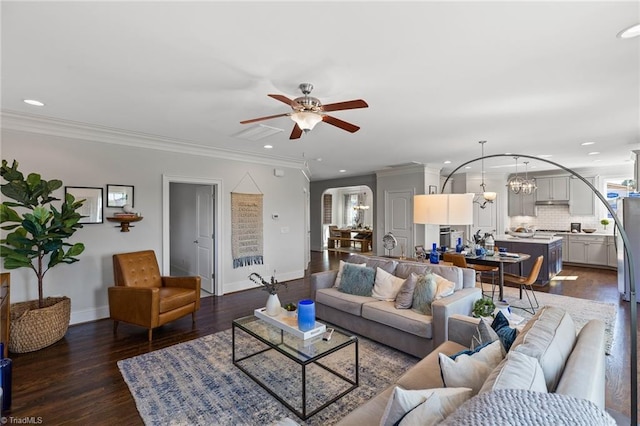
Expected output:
{"points": [[549, 337], [386, 285], [484, 334], [388, 265], [516, 371], [404, 298], [442, 402], [470, 370], [424, 294], [344, 302], [341, 270], [357, 280], [407, 320], [445, 287], [426, 374]]}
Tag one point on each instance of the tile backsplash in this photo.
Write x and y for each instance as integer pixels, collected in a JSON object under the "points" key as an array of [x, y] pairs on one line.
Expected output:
{"points": [[557, 217]]}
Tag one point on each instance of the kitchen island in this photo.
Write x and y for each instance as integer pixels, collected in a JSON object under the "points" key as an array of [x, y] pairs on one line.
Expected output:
{"points": [[548, 246]]}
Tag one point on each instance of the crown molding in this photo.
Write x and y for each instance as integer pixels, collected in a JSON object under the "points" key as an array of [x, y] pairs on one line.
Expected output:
{"points": [[29, 123]]}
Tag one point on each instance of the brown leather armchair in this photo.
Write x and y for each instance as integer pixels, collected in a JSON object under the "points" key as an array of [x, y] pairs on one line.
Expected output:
{"points": [[142, 297]]}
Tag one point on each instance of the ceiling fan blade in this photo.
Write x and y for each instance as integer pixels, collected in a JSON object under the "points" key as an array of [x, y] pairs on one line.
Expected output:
{"points": [[253, 120], [282, 99], [357, 103], [296, 132], [340, 123]]}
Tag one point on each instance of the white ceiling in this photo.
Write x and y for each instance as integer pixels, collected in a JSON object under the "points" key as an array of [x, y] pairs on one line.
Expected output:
{"points": [[529, 77]]}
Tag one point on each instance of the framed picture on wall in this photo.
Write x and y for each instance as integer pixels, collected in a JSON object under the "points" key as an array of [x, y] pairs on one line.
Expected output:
{"points": [[119, 195], [433, 189], [91, 209]]}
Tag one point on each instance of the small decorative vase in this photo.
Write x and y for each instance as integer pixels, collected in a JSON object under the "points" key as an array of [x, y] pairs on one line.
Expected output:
{"points": [[306, 315], [273, 305]]}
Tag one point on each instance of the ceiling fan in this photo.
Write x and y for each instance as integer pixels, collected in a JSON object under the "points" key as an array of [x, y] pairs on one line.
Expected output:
{"points": [[308, 111]]}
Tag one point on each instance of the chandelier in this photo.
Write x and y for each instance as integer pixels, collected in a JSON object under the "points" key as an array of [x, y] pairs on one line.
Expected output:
{"points": [[488, 196], [515, 183], [528, 186]]}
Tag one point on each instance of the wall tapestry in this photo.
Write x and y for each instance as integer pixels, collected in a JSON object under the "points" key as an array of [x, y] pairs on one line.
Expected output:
{"points": [[246, 229]]}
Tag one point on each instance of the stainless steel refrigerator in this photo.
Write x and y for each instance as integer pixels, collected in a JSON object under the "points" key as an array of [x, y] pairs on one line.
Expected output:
{"points": [[628, 210]]}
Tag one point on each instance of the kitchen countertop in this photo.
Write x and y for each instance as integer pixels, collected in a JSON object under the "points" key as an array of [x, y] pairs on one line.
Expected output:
{"points": [[547, 239]]}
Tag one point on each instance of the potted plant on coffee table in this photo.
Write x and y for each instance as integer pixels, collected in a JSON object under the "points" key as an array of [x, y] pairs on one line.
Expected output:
{"points": [[37, 237]]}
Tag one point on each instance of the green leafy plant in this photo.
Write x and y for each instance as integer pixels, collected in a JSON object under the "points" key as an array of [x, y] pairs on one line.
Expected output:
{"points": [[290, 307], [604, 222], [39, 232], [483, 307]]}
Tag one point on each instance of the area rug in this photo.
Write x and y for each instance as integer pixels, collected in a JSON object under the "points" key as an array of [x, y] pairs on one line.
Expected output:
{"points": [[195, 383], [581, 310]]}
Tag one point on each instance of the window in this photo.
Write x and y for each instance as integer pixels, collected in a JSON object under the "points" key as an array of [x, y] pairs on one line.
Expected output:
{"points": [[327, 209], [351, 215]]}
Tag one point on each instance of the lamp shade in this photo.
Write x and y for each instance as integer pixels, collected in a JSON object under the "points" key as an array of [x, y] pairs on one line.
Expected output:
{"points": [[306, 120], [443, 209]]}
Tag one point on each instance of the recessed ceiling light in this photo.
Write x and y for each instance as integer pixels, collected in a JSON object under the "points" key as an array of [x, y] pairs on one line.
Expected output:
{"points": [[447, 162], [467, 167], [587, 143], [342, 171], [33, 102], [544, 156], [268, 146], [319, 159], [632, 31], [593, 153]]}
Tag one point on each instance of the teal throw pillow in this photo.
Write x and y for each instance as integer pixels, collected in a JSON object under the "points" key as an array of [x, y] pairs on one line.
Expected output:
{"points": [[424, 294], [506, 334], [357, 280]]}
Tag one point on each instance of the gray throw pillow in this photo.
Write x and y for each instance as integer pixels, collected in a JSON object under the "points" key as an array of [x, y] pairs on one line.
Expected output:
{"points": [[404, 299], [424, 294], [357, 280]]}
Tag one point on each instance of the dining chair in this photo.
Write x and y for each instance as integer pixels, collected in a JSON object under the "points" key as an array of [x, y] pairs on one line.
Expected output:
{"points": [[460, 261], [524, 282]]}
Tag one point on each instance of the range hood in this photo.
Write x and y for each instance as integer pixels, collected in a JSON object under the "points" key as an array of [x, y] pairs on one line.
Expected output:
{"points": [[552, 203]]}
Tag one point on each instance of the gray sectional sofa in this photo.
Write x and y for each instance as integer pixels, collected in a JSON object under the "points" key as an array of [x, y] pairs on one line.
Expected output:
{"points": [[571, 364], [379, 320]]}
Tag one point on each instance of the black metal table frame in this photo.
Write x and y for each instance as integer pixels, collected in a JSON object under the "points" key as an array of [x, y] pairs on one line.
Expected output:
{"points": [[315, 360]]}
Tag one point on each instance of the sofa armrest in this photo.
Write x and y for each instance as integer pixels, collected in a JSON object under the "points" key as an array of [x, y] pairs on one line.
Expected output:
{"points": [[460, 302], [462, 328], [321, 280]]}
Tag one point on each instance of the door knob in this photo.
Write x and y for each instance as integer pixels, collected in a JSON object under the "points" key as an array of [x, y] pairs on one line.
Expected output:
{"points": [[195, 242]]}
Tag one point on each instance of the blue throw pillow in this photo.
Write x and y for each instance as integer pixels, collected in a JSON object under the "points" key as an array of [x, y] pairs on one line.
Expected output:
{"points": [[506, 334], [357, 280]]}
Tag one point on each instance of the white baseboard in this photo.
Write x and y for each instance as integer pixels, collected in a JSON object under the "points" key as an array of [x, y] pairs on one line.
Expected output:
{"points": [[248, 284], [87, 315]]}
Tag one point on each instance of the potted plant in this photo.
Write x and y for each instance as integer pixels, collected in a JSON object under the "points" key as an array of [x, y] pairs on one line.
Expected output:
{"points": [[483, 307], [290, 309], [37, 240], [604, 222]]}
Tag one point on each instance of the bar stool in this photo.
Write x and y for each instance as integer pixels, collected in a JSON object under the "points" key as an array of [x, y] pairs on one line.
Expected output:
{"points": [[523, 282]]}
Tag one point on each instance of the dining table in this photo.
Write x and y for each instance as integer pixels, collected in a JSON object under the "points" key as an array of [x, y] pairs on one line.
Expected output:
{"points": [[500, 260]]}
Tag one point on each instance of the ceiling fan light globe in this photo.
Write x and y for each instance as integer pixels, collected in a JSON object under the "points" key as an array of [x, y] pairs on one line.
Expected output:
{"points": [[489, 196], [306, 120]]}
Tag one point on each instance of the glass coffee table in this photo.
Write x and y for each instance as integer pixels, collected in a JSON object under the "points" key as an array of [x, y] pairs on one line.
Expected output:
{"points": [[304, 375]]}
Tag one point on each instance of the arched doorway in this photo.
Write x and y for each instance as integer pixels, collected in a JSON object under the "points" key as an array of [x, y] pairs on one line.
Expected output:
{"points": [[347, 219]]}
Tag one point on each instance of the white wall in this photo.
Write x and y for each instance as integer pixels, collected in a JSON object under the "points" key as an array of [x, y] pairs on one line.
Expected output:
{"points": [[85, 163]]}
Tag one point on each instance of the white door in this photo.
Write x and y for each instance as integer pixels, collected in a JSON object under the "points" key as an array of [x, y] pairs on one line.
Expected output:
{"points": [[204, 237], [398, 220]]}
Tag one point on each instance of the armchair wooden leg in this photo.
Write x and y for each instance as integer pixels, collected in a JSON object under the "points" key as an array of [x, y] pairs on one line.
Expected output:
{"points": [[150, 334], [115, 326]]}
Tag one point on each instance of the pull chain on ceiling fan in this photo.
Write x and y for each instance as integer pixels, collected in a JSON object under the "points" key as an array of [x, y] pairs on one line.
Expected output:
{"points": [[308, 111]]}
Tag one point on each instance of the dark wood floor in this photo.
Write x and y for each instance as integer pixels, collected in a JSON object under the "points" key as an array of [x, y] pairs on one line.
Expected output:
{"points": [[76, 381]]}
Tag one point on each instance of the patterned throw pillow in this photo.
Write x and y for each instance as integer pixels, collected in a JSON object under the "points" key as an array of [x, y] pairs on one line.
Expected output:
{"points": [[506, 334], [424, 294], [357, 280]]}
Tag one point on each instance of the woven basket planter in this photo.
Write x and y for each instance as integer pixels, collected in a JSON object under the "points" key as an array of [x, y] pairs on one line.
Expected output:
{"points": [[34, 328]]}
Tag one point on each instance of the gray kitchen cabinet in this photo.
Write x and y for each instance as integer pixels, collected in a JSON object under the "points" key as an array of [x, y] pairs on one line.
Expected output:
{"points": [[552, 188], [582, 198], [612, 252], [521, 204], [552, 252], [591, 250], [565, 248]]}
